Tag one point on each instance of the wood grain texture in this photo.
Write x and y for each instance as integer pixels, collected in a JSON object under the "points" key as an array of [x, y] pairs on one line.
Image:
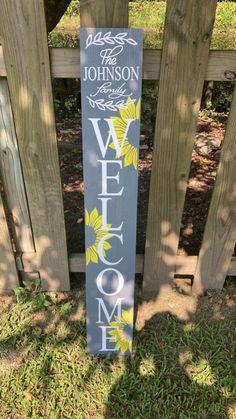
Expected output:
{"points": [[65, 63], [3, 72], [8, 272], [104, 13], [29, 262], [26, 58], [11, 174], [185, 265], [220, 231], [187, 35]]}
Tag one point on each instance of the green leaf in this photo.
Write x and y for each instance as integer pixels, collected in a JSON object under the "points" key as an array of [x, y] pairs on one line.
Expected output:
{"points": [[19, 291], [37, 282]]}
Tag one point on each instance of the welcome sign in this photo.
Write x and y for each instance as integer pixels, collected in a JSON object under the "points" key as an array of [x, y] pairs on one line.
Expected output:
{"points": [[111, 74]]}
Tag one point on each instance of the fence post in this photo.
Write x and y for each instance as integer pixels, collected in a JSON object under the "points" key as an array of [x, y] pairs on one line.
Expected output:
{"points": [[8, 271], [25, 49], [104, 13], [220, 231], [187, 36]]}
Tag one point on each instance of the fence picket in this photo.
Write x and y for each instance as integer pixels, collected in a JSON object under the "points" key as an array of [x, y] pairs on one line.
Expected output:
{"points": [[11, 174], [25, 49], [104, 13], [185, 52], [220, 230], [8, 272]]}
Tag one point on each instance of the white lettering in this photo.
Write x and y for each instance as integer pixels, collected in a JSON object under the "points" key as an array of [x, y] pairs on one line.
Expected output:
{"points": [[117, 306], [120, 281], [111, 136], [100, 249], [105, 338], [104, 217], [105, 177]]}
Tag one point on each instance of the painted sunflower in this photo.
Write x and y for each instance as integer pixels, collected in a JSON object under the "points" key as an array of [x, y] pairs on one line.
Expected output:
{"points": [[130, 111], [122, 334], [94, 234]]}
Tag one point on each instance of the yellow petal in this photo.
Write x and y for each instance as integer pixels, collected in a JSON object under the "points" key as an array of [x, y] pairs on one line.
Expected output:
{"points": [[107, 245], [124, 346], [93, 217], [117, 345], [112, 332], [128, 159], [86, 217], [114, 324], [94, 256], [97, 223], [126, 148], [137, 110], [129, 111], [88, 256], [135, 158], [127, 316]]}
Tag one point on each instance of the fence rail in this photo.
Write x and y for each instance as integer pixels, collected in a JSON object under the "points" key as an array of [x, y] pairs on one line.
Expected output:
{"points": [[184, 265], [65, 63], [33, 231]]}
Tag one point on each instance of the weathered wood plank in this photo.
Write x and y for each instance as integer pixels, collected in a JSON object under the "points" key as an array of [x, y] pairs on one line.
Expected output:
{"points": [[187, 35], [26, 58], [11, 174], [220, 231], [3, 72], [185, 265], [8, 272], [221, 66], [104, 13], [65, 63]]}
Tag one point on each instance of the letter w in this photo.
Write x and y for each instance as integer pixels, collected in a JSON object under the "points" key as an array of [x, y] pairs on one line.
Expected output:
{"points": [[111, 136]]}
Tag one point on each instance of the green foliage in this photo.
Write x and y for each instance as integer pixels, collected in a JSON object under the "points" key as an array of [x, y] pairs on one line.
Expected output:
{"points": [[73, 8], [222, 96], [224, 34], [40, 301], [179, 369], [67, 108], [30, 295], [149, 15], [62, 39], [19, 293], [66, 94], [66, 308], [148, 110]]}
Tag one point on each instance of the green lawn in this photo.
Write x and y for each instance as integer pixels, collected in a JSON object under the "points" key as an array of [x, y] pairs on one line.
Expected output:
{"points": [[150, 16], [183, 364]]}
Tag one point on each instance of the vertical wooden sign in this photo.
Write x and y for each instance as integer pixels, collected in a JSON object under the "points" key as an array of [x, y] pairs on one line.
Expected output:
{"points": [[111, 75]]}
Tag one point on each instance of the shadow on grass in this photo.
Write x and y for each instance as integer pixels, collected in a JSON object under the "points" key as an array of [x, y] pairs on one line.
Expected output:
{"points": [[180, 368]]}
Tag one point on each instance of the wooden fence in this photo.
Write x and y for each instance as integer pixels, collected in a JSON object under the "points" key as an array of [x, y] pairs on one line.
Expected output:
{"points": [[32, 238]]}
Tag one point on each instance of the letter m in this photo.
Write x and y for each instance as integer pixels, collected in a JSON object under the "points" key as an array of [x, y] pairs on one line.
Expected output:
{"points": [[102, 307]]}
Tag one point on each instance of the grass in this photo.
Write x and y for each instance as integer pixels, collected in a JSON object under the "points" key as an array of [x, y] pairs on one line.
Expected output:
{"points": [[150, 16], [180, 368]]}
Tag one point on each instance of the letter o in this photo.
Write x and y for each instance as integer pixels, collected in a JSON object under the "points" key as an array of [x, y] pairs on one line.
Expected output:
{"points": [[120, 281]]}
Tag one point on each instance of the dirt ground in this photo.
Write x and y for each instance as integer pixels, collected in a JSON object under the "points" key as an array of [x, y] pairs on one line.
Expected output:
{"points": [[205, 158]]}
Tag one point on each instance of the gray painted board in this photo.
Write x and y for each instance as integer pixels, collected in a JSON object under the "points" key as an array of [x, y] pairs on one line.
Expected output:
{"points": [[111, 75]]}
